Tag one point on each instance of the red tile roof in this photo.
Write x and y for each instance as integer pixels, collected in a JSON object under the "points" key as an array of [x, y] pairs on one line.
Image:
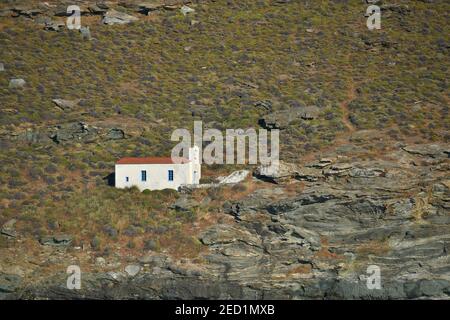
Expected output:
{"points": [[152, 160]]}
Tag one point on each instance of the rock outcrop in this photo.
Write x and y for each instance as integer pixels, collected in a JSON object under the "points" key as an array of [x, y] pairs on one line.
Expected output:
{"points": [[16, 83], [315, 243], [281, 119], [116, 17], [72, 132]]}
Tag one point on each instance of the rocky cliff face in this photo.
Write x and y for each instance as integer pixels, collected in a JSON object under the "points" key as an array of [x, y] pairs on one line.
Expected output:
{"points": [[315, 241]]}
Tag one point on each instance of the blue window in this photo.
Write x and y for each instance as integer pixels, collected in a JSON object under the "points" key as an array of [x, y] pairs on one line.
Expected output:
{"points": [[127, 179], [143, 175], [170, 175]]}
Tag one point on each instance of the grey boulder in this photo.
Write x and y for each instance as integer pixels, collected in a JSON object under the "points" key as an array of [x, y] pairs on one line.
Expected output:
{"points": [[56, 240], [112, 17], [8, 229], [16, 83], [282, 119], [65, 104], [115, 134], [132, 270], [53, 25]]}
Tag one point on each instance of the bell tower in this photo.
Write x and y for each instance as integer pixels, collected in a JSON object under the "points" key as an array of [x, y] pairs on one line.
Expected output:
{"points": [[194, 157]]}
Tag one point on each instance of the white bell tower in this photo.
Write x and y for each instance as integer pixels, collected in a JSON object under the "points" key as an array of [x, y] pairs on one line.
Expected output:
{"points": [[194, 157]]}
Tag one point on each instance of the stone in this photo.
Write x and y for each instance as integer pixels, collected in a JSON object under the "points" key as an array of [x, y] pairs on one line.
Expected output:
{"points": [[112, 17], [429, 150], [281, 119], [56, 240], [322, 163], [9, 283], [116, 276], [8, 228], [308, 174], [115, 134], [25, 11], [132, 269], [2, 67], [366, 172], [265, 105], [54, 25], [312, 237], [184, 203], [338, 169], [16, 83], [253, 202], [61, 11], [42, 20], [148, 6], [98, 8], [186, 10], [65, 104], [100, 261], [31, 136], [154, 259], [225, 234], [72, 132], [277, 174], [235, 177], [150, 244]]}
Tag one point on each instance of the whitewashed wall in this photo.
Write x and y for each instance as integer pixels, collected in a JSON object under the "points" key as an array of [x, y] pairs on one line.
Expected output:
{"points": [[157, 176]]}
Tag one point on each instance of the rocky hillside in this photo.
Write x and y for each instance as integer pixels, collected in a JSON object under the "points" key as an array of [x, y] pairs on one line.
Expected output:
{"points": [[364, 132], [312, 238]]}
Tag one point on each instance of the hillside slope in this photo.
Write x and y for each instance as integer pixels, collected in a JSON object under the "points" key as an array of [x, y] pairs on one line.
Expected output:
{"points": [[380, 102]]}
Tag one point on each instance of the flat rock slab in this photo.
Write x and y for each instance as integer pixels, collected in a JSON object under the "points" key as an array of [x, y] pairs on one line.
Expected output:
{"points": [[8, 228], [16, 83], [56, 240], [65, 104], [132, 270], [235, 177], [116, 17], [9, 283], [282, 119], [429, 150], [184, 204]]}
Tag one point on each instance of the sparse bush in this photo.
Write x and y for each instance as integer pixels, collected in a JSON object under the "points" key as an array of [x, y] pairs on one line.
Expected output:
{"points": [[96, 243], [51, 168], [151, 244]]}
